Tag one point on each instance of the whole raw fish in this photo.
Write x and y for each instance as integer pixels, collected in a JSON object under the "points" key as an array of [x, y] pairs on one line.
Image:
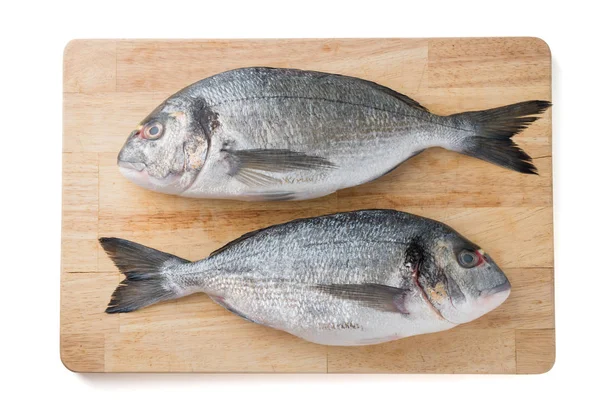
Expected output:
{"points": [[285, 134], [351, 278]]}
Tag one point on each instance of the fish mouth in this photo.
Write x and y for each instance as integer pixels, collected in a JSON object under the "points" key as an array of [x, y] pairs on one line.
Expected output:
{"points": [[136, 166], [503, 287], [138, 173]]}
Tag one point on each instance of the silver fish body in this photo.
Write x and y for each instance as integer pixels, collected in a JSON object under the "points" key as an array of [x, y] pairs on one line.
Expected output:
{"points": [[284, 134], [351, 278]]}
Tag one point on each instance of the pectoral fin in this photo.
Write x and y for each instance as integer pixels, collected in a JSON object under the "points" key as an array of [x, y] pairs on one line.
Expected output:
{"points": [[379, 297], [251, 166]]}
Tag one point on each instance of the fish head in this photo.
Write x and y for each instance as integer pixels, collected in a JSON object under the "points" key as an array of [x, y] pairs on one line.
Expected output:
{"points": [[167, 150], [461, 280]]}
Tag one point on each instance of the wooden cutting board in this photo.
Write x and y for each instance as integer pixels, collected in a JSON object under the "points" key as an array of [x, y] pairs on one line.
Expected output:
{"points": [[111, 85]]}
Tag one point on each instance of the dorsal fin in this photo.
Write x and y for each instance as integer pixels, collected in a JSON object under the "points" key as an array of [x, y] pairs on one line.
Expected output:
{"points": [[402, 97], [236, 241]]}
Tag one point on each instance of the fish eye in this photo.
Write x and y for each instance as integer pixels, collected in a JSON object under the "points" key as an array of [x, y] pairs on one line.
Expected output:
{"points": [[153, 131], [468, 259]]}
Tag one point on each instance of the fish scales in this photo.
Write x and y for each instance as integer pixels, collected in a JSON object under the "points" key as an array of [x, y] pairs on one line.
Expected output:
{"points": [[351, 278], [283, 134]]}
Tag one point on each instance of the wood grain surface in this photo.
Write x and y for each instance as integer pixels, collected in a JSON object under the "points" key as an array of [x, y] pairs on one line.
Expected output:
{"points": [[111, 85]]}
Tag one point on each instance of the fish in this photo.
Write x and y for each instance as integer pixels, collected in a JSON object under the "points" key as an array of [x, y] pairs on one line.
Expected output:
{"points": [[346, 279], [274, 134]]}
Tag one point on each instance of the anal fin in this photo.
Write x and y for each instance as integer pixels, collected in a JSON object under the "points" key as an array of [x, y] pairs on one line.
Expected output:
{"points": [[220, 301], [271, 196], [416, 153]]}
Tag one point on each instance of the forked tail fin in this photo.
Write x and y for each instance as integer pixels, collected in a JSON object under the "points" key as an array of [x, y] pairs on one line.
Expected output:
{"points": [[145, 280], [493, 130]]}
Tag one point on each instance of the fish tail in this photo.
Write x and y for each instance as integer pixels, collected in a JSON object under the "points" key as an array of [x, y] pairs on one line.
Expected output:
{"points": [[146, 275], [493, 130]]}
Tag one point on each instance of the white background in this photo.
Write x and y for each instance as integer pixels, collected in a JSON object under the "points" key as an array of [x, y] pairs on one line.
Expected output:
{"points": [[33, 38]]}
